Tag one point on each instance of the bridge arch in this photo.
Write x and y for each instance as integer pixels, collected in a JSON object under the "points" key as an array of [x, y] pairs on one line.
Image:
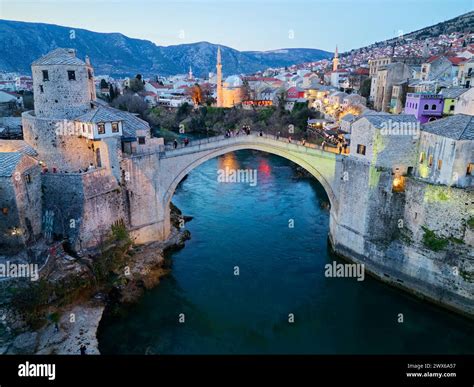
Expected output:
{"points": [[184, 169]]}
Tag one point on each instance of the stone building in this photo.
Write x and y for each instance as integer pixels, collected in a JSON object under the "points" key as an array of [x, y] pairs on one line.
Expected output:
{"points": [[386, 77], [80, 143], [386, 141], [446, 151], [63, 85], [451, 96], [424, 106], [20, 200]]}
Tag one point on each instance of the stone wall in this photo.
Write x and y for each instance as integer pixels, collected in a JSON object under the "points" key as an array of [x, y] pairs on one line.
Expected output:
{"points": [[83, 206], [57, 144], [20, 194], [383, 230]]}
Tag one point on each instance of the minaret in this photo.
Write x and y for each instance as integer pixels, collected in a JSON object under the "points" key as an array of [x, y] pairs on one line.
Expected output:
{"points": [[190, 74], [335, 61], [219, 79]]}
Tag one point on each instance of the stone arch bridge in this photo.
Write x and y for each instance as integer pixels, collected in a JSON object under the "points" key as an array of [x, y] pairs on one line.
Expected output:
{"points": [[151, 178]]}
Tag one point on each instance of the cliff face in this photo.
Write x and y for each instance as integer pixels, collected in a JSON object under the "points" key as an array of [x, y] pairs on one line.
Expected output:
{"points": [[418, 240]]}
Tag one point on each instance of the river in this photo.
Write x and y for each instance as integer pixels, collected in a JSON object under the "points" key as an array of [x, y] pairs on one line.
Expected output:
{"points": [[245, 229]]}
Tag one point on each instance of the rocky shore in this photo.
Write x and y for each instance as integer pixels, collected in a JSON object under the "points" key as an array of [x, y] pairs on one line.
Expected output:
{"points": [[71, 320]]}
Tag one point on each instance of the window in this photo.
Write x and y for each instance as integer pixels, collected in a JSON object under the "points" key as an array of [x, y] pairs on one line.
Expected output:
{"points": [[5, 210], [101, 128], [141, 140], [430, 161], [45, 75], [83, 128], [115, 127], [89, 73], [426, 107], [440, 164], [470, 168], [433, 107], [422, 157], [28, 178], [90, 129], [71, 75], [361, 149], [41, 89]]}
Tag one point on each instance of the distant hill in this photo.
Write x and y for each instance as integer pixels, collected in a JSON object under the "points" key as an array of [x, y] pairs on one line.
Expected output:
{"points": [[463, 23], [116, 54]]}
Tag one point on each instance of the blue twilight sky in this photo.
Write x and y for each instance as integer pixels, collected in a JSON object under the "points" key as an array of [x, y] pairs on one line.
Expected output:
{"points": [[243, 24]]}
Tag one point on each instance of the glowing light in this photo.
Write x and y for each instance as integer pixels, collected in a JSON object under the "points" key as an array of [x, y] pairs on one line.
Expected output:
{"points": [[264, 167]]}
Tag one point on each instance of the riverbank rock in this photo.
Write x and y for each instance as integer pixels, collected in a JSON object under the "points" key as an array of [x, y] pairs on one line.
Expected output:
{"points": [[77, 326], [24, 344]]}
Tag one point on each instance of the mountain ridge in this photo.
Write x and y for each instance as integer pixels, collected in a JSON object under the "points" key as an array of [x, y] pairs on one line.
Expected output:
{"points": [[116, 54]]}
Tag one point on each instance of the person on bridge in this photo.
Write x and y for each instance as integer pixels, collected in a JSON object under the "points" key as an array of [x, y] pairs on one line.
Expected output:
{"points": [[303, 142], [186, 141], [289, 139], [175, 143], [278, 135]]}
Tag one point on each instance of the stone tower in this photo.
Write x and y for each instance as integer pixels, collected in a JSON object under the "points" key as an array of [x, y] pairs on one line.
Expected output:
{"points": [[63, 85], [220, 97], [335, 61]]}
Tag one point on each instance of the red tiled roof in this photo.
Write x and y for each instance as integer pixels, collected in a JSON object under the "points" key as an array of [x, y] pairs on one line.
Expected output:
{"points": [[455, 60]]}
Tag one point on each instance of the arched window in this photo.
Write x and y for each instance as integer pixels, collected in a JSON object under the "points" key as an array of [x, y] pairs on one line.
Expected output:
{"points": [[433, 107], [426, 107]]}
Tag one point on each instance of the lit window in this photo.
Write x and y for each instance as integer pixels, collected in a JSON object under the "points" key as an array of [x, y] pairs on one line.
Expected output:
{"points": [[361, 149], [470, 168], [45, 75], [422, 157], [115, 127], [430, 161], [71, 75], [101, 128], [440, 164], [5, 210]]}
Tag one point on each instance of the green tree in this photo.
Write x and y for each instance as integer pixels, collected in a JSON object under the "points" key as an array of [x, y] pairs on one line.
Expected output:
{"points": [[111, 92], [136, 85]]}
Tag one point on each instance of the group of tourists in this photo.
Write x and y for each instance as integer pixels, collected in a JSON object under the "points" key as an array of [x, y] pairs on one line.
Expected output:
{"points": [[185, 142]]}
